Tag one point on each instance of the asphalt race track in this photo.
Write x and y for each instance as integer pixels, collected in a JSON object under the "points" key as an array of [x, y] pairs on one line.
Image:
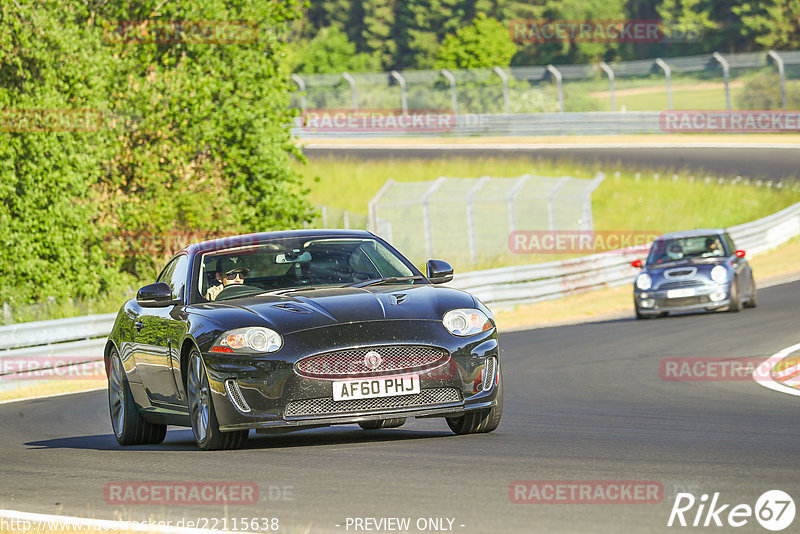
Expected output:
{"points": [[583, 402], [759, 162]]}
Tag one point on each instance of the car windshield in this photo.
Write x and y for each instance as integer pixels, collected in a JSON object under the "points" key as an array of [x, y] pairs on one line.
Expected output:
{"points": [[292, 263], [686, 248]]}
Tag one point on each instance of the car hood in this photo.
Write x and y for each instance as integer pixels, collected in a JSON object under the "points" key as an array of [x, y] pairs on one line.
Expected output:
{"points": [[303, 309], [702, 268]]}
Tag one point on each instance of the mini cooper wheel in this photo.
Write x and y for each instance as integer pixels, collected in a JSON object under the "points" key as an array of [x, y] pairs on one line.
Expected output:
{"points": [[201, 411], [383, 423], [130, 428], [752, 302], [479, 421], [736, 299]]}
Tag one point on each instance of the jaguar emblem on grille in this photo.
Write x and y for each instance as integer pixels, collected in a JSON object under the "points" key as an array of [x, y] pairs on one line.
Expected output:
{"points": [[372, 360]]}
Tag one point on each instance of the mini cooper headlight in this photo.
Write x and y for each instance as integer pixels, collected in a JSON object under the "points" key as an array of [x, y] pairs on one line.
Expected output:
{"points": [[248, 340], [719, 274], [466, 322], [643, 281]]}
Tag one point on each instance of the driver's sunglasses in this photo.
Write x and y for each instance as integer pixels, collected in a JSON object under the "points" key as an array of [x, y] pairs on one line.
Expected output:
{"points": [[234, 274]]}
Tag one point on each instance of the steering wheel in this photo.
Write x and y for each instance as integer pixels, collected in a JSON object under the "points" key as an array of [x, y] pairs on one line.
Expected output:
{"points": [[233, 291]]}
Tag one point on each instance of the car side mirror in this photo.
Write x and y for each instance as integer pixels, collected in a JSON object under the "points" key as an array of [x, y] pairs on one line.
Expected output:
{"points": [[739, 253], [637, 264], [155, 296], [439, 271]]}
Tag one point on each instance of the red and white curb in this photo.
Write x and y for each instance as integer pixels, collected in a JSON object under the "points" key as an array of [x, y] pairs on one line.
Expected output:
{"points": [[782, 380]]}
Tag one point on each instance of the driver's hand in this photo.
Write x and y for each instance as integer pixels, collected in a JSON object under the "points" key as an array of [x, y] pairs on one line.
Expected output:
{"points": [[213, 291]]}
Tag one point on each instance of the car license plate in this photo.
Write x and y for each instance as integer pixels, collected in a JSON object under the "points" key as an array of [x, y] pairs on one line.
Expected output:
{"points": [[375, 387], [678, 293]]}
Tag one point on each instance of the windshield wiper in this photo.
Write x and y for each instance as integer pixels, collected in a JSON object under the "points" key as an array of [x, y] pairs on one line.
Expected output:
{"points": [[387, 280]]}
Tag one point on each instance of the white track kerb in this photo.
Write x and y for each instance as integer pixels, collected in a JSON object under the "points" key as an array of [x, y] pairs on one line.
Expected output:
{"points": [[13, 521], [765, 369]]}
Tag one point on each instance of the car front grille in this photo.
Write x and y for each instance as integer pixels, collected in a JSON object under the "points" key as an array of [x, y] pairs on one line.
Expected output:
{"points": [[327, 406], [682, 283], [685, 301], [371, 361]]}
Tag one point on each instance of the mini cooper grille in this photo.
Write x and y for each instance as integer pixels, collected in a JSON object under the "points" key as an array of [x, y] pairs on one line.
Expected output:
{"points": [[327, 406], [236, 396], [371, 361], [682, 283]]}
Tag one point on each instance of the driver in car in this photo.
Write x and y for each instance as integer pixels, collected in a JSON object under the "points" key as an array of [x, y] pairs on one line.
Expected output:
{"points": [[230, 271]]}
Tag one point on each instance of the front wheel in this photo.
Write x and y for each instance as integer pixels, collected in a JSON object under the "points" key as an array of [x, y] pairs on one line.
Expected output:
{"points": [[736, 300], [130, 428], [201, 411], [480, 421]]}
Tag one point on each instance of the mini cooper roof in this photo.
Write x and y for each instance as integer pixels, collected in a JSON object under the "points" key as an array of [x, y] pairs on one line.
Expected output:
{"points": [[693, 233]]}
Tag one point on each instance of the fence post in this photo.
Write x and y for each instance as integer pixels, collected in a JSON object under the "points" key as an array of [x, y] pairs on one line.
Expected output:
{"points": [[353, 93], [426, 214], [346, 219], [610, 73], [372, 206], [668, 73], [779, 62], [557, 75], [324, 211], [726, 75], [473, 246], [504, 77], [551, 216], [302, 85], [6, 313], [512, 214], [453, 96], [587, 223], [402, 81]]}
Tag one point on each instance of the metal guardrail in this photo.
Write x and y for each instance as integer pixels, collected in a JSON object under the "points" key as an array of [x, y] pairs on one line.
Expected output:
{"points": [[514, 125], [499, 288]]}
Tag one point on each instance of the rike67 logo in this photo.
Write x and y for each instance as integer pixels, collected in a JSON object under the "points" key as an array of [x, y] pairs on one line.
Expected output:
{"points": [[774, 510]]}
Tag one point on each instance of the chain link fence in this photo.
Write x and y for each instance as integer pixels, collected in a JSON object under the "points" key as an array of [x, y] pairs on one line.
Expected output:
{"points": [[469, 220], [706, 81]]}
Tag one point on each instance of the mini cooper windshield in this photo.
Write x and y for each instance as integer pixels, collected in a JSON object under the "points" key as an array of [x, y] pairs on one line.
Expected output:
{"points": [[686, 248], [292, 263]]}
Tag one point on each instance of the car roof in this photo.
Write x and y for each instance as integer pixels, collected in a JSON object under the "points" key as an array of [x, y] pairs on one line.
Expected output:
{"points": [[260, 237], [693, 233]]}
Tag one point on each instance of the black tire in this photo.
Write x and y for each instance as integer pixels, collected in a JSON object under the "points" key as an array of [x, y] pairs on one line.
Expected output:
{"points": [[129, 427], [752, 302], [205, 427], [479, 421], [736, 300], [383, 423]]}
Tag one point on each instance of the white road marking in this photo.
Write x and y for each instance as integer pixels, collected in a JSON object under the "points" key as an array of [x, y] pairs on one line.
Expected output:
{"points": [[766, 367]]}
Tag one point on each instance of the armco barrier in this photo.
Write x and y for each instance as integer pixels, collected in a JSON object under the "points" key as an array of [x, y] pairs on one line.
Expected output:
{"points": [[498, 288]]}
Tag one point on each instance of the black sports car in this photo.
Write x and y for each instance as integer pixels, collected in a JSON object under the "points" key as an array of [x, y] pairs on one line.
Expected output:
{"points": [[696, 270], [290, 330]]}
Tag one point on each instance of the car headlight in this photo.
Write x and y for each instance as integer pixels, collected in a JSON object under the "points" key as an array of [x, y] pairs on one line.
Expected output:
{"points": [[466, 322], [719, 274], [248, 340], [643, 281]]}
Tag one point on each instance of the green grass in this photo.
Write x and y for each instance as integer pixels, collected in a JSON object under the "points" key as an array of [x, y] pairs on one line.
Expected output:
{"points": [[622, 203]]}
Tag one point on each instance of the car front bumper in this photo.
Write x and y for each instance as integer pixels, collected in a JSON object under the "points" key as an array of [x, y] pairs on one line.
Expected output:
{"points": [[281, 399], [706, 297]]}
